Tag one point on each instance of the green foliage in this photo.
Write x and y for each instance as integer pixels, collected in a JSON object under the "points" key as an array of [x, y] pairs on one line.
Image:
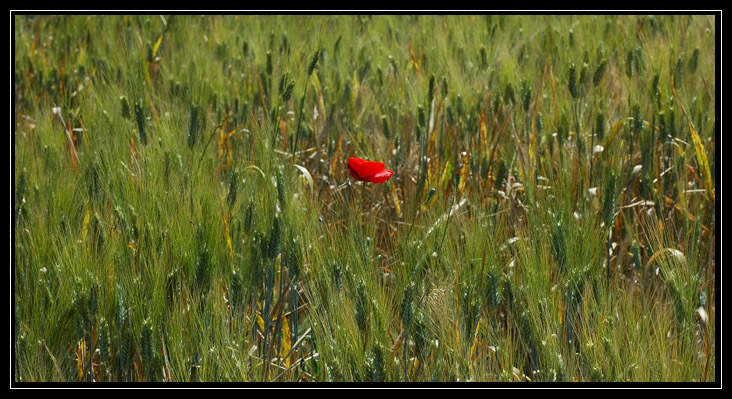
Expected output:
{"points": [[183, 210]]}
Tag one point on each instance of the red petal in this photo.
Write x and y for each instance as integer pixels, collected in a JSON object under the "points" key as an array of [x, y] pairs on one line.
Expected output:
{"points": [[354, 173], [362, 169], [382, 176]]}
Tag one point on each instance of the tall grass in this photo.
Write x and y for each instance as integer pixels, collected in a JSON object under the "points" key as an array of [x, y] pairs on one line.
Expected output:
{"points": [[183, 211]]}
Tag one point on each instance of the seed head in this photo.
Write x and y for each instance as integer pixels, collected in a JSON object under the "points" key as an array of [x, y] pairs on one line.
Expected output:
{"points": [[597, 77], [573, 89], [313, 62]]}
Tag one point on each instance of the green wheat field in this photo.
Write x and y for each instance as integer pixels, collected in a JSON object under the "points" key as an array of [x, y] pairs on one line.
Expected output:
{"points": [[183, 210]]}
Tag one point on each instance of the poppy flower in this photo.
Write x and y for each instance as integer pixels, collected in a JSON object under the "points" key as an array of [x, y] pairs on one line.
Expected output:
{"points": [[368, 171]]}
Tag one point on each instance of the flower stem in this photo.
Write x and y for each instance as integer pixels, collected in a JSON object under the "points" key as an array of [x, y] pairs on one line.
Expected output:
{"points": [[363, 187]]}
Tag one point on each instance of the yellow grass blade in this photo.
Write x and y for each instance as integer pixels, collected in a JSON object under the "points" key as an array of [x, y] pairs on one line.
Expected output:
{"points": [[464, 173], [483, 133], [701, 156], [85, 224], [258, 170], [395, 199], [446, 174], [260, 322], [228, 238], [414, 59], [474, 347], [157, 46], [701, 159], [354, 90], [286, 343], [80, 355]]}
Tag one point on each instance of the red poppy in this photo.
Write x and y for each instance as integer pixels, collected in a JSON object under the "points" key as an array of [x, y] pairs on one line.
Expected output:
{"points": [[368, 171]]}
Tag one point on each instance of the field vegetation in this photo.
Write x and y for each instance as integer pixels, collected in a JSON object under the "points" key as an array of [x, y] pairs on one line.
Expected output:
{"points": [[182, 208]]}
